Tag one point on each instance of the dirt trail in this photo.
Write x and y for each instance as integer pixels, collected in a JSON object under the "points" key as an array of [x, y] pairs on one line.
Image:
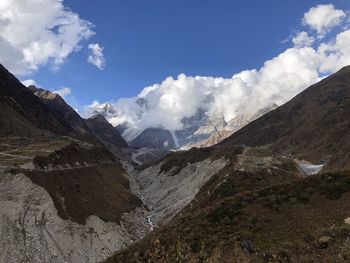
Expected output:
{"points": [[16, 156]]}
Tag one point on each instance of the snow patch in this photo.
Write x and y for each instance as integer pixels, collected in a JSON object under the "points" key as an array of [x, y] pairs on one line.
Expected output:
{"points": [[310, 169]]}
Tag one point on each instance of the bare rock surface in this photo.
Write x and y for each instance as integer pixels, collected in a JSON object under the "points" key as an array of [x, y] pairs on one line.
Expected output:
{"points": [[167, 194], [32, 231]]}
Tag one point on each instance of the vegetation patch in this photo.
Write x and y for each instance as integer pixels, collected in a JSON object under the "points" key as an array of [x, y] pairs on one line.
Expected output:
{"points": [[283, 222]]}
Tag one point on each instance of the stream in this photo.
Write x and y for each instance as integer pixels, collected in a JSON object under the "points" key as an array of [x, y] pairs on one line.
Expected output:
{"points": [[135, 185], [150, 216]]}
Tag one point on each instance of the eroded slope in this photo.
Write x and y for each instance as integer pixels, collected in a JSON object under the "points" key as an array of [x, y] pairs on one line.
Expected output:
{"points": [[64, 201], [257, 209]]}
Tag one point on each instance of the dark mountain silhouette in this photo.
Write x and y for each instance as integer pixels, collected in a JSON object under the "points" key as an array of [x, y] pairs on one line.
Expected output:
{"points": [[62, 111], [153, 138], [152, 144], [24, 114], [108, 135]]}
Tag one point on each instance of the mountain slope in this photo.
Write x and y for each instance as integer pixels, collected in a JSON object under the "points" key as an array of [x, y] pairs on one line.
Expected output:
{"points": [[64, 113], [153, 138], [91, 129], [22, 113], [285, 222], [108, 135], [259, 205], [212, 140], [152, 144], [64, 197], [314, 124]]}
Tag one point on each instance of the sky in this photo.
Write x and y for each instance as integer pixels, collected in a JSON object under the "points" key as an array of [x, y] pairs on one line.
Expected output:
{"points": [[93, 52]]}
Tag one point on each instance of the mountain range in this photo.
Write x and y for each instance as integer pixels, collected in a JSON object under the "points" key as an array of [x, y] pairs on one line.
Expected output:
{"points": [[272, 186], [199, 130]]}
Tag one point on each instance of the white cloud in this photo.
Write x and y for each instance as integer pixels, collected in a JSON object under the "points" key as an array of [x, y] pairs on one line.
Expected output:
{"points": [[167, 104], [322, 18], [37, 32], [96, 56], [277, 81], [63, 92], [302, 39]]}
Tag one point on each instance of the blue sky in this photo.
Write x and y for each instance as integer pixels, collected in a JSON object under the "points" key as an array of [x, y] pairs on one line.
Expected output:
{"points": [[146, 41], [254, 53]]}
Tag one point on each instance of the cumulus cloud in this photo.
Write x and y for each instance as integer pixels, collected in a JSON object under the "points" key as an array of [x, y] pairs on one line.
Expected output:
{"points": [[37, 32], [335, 54], [302, 39], [96, 56], [322, 18], [277, 81], [168, 103], [63, 92]]}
